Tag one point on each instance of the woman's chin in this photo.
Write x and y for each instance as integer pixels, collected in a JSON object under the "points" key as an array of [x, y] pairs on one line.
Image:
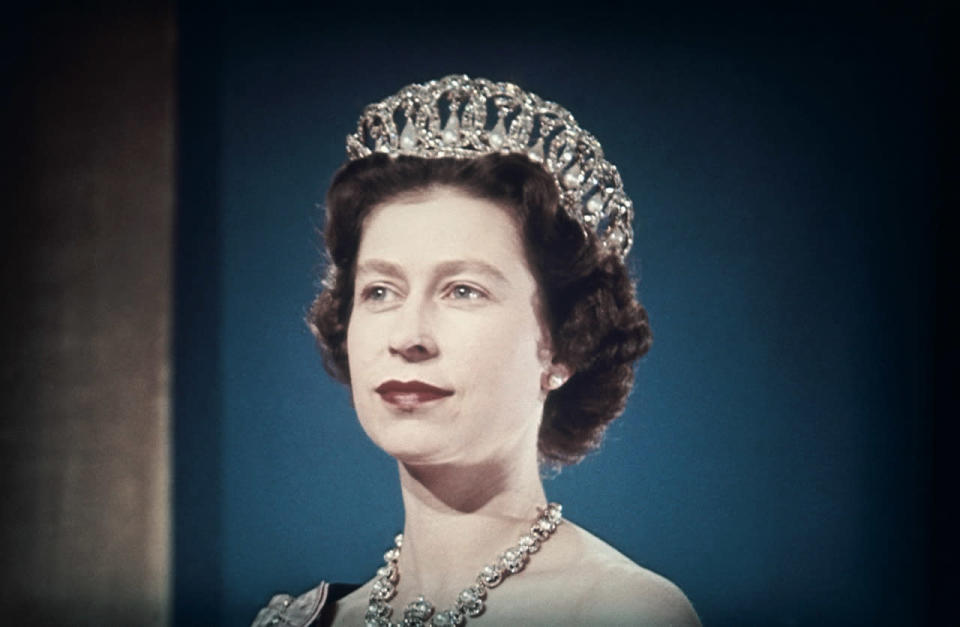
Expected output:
{"points": [[416, 444], [422, 457]]}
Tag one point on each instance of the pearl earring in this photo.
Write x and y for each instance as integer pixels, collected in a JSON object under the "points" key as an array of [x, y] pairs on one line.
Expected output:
{"points": [[554, 381]]}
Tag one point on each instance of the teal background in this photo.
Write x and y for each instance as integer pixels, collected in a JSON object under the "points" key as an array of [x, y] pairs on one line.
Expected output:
{"points": [[773, 460]]}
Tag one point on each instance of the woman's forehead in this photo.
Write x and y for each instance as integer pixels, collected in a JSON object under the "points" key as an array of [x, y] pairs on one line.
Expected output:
{"points": [[441, 226]]}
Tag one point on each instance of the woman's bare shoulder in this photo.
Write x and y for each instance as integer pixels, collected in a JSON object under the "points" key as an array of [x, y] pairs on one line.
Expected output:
{"points": [[614, 590]]}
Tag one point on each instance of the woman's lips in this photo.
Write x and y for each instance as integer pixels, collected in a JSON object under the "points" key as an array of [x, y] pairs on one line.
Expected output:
{"points": [[410, 394]]}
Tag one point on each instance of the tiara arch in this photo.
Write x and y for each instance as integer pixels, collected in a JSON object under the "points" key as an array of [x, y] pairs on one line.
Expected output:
{"points": [[464, 118]]}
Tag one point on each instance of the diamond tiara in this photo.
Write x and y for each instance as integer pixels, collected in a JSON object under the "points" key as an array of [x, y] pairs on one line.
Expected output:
{"points": [[462, 117]]}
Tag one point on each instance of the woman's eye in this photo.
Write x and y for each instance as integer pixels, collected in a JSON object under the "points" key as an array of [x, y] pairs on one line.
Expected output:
{"points": [[466, 292], [377, 293]]}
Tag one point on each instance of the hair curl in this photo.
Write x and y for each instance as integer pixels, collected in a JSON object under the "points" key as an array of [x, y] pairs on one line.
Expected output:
{"points": [[597, 327]]}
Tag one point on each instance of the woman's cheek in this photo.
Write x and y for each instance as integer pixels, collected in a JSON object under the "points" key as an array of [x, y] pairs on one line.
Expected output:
{"points": [[362, 336]]}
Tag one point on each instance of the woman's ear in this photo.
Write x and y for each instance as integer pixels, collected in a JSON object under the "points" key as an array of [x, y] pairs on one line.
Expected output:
{"points": [[554, 374], [544, 354]]}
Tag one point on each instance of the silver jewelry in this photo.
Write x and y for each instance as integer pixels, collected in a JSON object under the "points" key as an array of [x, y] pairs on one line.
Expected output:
{"points": [[471, 601], [554, 381], [451, 117]]}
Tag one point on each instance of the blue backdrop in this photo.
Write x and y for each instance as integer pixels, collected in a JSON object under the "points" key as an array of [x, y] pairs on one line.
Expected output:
{"points": [[772, 460]]}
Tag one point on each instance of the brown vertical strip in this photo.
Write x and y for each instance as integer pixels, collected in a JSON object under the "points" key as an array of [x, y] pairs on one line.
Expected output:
{"points": [[84, 441]]}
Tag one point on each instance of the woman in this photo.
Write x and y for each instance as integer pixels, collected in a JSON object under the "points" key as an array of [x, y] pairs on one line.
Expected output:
{"points": [[479, 308]]}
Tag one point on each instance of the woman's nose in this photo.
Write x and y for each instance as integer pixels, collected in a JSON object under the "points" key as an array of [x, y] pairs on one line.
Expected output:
{"points": [[412, 337]]}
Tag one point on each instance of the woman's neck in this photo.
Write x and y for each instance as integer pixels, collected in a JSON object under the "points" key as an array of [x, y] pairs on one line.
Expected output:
{"points": [[458, 519]]}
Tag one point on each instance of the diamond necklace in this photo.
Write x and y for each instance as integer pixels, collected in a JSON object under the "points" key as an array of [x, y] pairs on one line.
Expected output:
{"points": [[470, 602]]}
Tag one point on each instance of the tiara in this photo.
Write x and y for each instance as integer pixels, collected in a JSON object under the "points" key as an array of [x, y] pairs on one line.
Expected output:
{"points": [[462, 117]]}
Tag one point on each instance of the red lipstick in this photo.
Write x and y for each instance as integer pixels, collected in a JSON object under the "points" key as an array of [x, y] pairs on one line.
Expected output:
{"points": [[410, 394]]}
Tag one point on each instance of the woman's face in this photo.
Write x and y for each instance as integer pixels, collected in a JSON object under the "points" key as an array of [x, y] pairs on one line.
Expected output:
{"points": [[445, 346]]}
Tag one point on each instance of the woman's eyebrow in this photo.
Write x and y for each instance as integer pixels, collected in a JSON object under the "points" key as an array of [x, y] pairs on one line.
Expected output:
{"points": [[477, 266], [379, 266], [444, 268]]}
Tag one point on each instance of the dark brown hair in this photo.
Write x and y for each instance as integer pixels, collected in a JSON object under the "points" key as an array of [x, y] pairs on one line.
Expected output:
{"points": [[597, 327]]}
